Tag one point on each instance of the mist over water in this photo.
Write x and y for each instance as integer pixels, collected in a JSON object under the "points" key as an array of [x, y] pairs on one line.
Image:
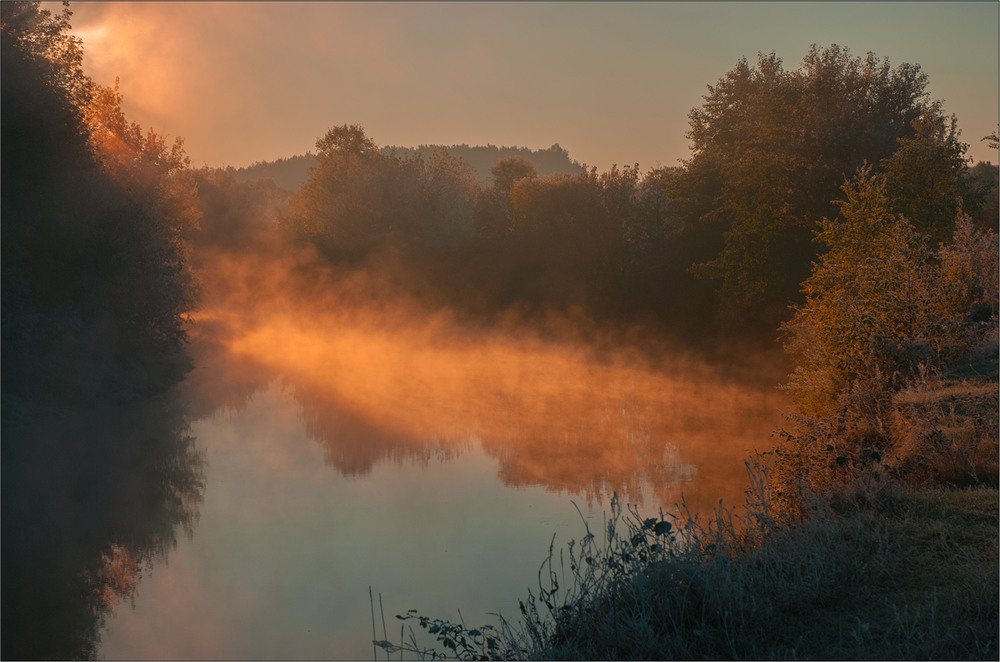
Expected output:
{"points": [[381, 378], [354, 437]]}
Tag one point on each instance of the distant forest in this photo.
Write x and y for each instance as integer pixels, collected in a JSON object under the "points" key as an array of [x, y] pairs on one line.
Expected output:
{"points": [[292, 172]]}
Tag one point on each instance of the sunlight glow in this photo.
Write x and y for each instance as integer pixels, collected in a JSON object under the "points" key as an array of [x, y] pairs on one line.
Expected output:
{"points": [[384, 380]]}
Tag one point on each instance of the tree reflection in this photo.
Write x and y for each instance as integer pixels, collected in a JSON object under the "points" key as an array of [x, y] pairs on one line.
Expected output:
{"points": [[554, 415], [91, 498]]}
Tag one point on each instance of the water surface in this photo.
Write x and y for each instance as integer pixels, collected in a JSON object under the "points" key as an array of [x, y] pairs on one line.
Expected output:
{"points": [[344, 451]]}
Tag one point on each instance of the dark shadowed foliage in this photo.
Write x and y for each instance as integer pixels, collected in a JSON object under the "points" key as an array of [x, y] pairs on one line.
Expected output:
{"points": [[92, 262], [771, 147], [98, 469], [92, 497]]}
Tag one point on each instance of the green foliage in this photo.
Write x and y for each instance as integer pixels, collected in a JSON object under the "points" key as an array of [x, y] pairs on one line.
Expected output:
{"points": [[770, 147], [881, 305]]}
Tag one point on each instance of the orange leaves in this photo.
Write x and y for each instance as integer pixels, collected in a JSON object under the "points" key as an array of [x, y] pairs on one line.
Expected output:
{"points": [[121, 146]]}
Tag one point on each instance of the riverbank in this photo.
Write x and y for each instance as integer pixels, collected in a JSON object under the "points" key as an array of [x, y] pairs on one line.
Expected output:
{"points": [[895, 556], [910, 574], [899, 560]]}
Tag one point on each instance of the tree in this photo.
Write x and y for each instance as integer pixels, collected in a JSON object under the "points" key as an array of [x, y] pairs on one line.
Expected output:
{"points": [[992, 141], [36, 35], [356, 197], [448, 198], [924, 176], [92, 259], [94, 290], [509, 171], [770, 148], [360, 199], [494, 214], [881, 304]]}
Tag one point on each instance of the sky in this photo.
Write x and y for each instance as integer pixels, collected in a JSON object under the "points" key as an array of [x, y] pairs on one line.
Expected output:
{"points": [[611, 82]]}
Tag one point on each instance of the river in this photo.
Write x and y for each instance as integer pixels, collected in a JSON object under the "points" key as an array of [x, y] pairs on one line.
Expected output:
{"points": [[352, 449]]}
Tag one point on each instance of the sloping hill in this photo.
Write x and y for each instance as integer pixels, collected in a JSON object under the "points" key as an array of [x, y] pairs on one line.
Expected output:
{"points": [[290, 173]]}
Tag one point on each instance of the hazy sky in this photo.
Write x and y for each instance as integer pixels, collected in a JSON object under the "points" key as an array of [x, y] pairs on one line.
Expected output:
{"points": [[610, 82]]}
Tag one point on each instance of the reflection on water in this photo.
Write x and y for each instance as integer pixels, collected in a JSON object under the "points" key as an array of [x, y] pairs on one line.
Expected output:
{"points": [[91, 497], [555, 415], [286, 547], [351, 447]]}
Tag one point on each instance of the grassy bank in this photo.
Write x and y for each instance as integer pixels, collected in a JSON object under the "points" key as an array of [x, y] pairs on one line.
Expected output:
{"points": [[910, 574], [895, 558], [907, 573]]}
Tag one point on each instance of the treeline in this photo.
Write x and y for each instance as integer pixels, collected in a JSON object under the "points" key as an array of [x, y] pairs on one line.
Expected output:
{"points": [[723, 242], [481, 158], [292, 172], [98, 214], [94, 275]]}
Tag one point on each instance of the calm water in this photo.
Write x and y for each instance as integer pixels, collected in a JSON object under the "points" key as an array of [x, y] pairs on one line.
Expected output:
{"points": [[348, 451]]}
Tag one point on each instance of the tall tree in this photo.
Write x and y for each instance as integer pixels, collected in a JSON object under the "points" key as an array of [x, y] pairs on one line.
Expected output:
{"points": [[92, 261], [925, 175], [770, 148], [356, 198]]}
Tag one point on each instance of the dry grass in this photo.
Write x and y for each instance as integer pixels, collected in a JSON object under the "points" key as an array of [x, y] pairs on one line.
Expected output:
{"points": [[948, 432], [890, 553], [911, 573]]}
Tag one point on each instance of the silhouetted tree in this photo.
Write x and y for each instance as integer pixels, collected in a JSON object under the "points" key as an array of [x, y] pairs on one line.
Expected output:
{"points": [[94, 286], [357, 198], [93, 265], [771, 147], [924, 176]]}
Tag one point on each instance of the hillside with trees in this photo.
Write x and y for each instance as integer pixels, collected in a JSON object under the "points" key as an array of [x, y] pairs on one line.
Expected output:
{"points": [[292, 172]]}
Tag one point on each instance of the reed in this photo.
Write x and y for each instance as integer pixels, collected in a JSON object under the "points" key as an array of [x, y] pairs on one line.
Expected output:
{"points": [[905, 573]]}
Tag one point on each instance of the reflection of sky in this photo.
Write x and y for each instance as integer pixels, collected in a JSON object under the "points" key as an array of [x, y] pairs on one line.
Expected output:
{"points": [[286, 548], [397, 449]]}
